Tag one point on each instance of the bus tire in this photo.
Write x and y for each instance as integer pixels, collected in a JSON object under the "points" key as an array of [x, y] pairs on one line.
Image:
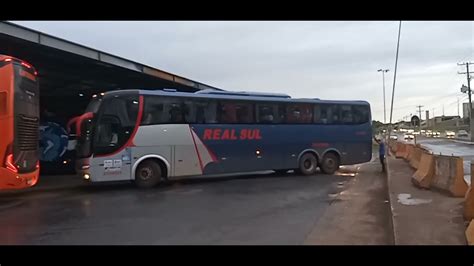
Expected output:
{"points": [[148, 174], [330, 163], [308, 164]]}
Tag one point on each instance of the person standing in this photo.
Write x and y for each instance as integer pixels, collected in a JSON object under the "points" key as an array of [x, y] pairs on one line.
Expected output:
{"points": [[382, 152]]}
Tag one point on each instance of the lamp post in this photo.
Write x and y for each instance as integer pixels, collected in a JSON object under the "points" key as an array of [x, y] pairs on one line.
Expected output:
{"points": [[384, 110]]}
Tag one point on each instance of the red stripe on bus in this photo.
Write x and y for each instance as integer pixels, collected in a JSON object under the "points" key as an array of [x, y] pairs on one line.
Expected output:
{"points": [[195, 147], [135, 130], [213, 156]]}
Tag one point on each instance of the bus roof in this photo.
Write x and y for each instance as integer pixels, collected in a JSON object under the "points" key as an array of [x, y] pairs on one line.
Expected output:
{"points": [[230, 95]]}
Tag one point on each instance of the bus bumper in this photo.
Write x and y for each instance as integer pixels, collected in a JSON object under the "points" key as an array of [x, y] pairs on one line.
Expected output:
{"points": [[83, 169], [11, 180]]}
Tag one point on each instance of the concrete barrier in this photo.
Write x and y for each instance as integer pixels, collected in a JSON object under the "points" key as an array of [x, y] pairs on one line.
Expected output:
{"points": [[409, 152], [469, 204], [401, 150], [469, 198], [449, 175], [393, 146], [470, 233], [416, 157], [423, 176]]}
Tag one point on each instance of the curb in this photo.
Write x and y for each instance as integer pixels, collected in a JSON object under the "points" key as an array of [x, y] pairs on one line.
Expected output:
{"points": [[43, 189], [394, 231]]}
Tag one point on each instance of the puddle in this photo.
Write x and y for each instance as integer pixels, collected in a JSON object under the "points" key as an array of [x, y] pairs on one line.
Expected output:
{"points": [[406, 199]]}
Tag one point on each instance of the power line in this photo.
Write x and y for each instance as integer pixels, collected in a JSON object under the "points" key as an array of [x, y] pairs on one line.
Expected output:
{"points": [[437, 99]]}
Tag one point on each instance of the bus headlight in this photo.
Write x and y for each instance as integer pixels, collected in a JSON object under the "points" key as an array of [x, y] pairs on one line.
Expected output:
{"points": [[86, 176]]}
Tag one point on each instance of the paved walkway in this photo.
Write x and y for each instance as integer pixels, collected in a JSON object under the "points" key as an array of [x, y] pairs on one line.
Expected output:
{"points": [[420, 216]]}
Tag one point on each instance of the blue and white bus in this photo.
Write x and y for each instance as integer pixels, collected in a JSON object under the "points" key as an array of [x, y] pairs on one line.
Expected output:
{"points": [[152, 135]]}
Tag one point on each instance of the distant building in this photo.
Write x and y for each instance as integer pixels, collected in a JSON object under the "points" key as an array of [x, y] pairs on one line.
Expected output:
{"points": [[447, 122], [465, 110]]}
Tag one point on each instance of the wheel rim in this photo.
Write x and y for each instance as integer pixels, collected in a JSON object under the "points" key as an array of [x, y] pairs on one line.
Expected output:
{"points": [[330, 163], [146, 173], [308, 165]]}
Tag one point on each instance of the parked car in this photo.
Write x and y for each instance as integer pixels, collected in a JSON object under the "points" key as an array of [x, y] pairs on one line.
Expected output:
{"points": [[462, 133], [408, 136], [394, 137]]}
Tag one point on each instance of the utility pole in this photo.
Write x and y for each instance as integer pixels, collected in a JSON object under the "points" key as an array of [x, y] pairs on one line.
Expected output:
{"points": [[383, 80], [458, 106], [469, 94], [443, 109], [434, 120], [419, 111]]}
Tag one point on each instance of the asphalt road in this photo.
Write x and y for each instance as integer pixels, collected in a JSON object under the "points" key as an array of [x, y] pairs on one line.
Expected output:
{"points": [[247, 209]]}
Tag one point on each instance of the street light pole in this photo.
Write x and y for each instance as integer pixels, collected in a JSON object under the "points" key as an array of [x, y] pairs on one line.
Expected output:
{"points": [[383, 80], [471, 122], [395, 75]]}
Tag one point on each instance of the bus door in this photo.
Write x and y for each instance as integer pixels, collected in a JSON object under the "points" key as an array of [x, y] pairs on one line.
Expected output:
{"points": [[112, 140]]}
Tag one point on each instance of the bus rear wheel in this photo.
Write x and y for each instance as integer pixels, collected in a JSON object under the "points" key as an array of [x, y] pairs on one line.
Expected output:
{"points": [[308, 164], [330, 163], [148, 174]]}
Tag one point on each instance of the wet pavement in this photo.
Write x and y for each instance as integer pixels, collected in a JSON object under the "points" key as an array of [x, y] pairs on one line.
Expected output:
{"points": [[420, 216], [247, 209]]}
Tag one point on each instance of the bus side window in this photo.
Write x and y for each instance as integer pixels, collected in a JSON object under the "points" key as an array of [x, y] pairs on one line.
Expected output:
{"points": [[210, 112], [317, 113], [346, 114], [299, 113], [293, 114], [335, 114], [325, 114], [306, 113], [227, 112], [282, 113], [244, 113], [200, 108], [267, 113], [189, 111], [3, 103], [153, 111], [361, 114], [176, 114]]}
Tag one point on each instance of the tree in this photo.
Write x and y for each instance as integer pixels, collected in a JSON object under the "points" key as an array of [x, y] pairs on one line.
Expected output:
{"points": [[377, 127]]}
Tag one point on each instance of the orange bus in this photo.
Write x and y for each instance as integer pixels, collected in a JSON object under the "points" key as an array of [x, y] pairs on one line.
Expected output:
{"points": [[19, 124]]}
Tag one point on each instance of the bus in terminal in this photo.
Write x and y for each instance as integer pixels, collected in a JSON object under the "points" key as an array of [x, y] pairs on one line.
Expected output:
{"points": [[19, 124], [148, 136]]}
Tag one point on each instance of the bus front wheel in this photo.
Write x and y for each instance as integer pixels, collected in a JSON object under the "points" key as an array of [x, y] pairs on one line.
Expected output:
{"points": [[308, 164], [330, 163], [148, 174]]}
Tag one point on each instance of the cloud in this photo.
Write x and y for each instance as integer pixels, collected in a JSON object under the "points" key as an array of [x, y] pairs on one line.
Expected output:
{"points": [[324, 59]]}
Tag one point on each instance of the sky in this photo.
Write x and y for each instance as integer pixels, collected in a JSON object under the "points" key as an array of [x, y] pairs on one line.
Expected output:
{"points": [[335, 60]]}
